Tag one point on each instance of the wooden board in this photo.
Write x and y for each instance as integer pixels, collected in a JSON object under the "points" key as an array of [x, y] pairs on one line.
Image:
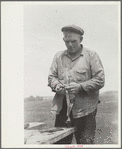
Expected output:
{"points": [[33, 125], [44, 137]]}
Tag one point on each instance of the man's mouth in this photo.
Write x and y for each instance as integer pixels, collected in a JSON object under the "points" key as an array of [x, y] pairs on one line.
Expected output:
{"points": [[71, 49]]}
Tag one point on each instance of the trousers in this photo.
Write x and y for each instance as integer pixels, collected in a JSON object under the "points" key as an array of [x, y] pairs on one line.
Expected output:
{"points": [[85, 126]]}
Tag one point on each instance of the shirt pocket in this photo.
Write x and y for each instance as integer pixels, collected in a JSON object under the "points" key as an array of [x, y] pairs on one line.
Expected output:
{"points": [[80, 74]]}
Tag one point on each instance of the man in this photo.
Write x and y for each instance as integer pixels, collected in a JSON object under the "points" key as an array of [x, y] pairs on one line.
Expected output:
{"points": [[86, 73]]}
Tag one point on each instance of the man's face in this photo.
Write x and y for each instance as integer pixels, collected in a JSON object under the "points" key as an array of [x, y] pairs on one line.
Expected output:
{"points": [[72, 41]]}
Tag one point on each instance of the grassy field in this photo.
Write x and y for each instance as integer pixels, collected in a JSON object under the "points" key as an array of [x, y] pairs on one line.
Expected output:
{"points": [[107, 116], [38, 111]]}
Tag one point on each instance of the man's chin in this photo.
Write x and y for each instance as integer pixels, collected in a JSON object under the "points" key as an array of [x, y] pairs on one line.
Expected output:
{"points": [[71, 51]]}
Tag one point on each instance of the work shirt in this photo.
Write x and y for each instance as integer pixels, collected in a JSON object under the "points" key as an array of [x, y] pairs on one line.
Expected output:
{"points": [[85, 69]]}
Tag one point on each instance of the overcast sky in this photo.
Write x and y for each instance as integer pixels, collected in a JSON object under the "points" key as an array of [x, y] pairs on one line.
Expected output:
{"points": [[43, 38]]}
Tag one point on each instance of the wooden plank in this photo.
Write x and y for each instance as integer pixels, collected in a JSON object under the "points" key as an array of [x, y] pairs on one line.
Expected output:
{"points": [[27, 134], [33, 125], [30, 128], [49, 137]]}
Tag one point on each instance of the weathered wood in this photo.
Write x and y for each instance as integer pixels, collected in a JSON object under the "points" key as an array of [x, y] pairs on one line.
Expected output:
{"points": [[49, 136], [33, 125], [30, 128]]}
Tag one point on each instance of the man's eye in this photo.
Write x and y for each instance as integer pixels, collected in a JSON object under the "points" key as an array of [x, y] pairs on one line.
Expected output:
{"points": [[70, 41]]}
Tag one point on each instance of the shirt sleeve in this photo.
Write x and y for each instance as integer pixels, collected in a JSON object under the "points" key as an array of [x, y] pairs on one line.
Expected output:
{"points": [[53, 74], [97, 72]]}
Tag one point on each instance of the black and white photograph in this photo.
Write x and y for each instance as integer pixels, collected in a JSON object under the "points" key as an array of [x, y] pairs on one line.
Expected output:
{"points": [[61, 74]]}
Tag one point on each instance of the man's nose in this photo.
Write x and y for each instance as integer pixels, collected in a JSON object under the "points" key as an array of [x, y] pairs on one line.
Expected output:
{"points": [[70, 44]]}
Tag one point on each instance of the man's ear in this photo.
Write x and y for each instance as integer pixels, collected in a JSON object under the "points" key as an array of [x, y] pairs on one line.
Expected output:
{"points": [[81, 38]]}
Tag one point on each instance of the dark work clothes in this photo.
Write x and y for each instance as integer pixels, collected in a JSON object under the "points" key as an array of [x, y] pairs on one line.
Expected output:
{"points": [[85, 126]]}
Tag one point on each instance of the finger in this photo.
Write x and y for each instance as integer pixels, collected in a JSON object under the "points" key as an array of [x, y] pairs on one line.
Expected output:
{"points": [[72, 83], [71, 91], [69, 87]]}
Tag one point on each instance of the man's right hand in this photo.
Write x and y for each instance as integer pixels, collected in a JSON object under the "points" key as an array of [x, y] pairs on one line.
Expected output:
{"points": [[60, 89]]}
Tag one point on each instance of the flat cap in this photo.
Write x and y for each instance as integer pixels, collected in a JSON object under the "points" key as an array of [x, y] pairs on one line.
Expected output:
{"points": [[73, 28]]}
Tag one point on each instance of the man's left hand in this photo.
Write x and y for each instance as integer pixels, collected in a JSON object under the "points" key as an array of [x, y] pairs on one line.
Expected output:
{"points": [[60, 89], [73, 88]]}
